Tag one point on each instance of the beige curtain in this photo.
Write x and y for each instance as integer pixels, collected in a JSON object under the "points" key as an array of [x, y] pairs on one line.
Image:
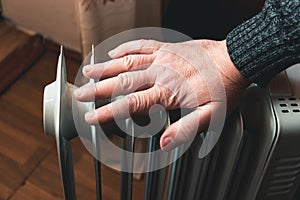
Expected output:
{"points": [[100, 19]]}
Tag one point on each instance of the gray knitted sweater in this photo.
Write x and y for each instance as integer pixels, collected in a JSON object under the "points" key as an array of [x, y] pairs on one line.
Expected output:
{"points": [[268, 43]]}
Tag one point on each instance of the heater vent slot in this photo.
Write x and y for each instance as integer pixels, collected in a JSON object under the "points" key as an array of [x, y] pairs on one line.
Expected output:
{"points": [[289, 105], [284, 173]]}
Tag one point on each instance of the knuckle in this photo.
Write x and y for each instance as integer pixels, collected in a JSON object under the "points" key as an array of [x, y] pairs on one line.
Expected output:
{"points": [[107, 110], [166, 98], [127, 62], [134, 102], [161, 96], [123, 81]]}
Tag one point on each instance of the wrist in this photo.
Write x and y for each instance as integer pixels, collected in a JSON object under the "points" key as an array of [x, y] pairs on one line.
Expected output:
{"points": [[234, 82], [231, 71], [218, 52]]}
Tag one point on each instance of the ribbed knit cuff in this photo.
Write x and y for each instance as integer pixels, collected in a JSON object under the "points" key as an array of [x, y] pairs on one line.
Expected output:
{"points": [[268, 43]]}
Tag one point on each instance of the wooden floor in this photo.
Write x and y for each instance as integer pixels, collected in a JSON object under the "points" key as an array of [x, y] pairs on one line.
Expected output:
{"points": [[28, 158]]}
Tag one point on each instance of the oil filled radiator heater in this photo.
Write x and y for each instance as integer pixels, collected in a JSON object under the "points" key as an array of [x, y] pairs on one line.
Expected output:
{"points": [[256, 158]]}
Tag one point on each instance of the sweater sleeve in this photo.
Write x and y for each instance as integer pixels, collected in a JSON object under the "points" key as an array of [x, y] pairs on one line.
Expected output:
{"points": [[269, 42]]}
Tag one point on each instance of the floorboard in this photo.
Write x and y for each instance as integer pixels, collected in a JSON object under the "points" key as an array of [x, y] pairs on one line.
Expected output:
{"points": [[10, 38]]}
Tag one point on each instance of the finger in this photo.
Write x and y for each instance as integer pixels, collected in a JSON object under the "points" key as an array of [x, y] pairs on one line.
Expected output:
{"points": [[185, 129], [114, 67], [122, 84], [134, 47], [135, 103]]}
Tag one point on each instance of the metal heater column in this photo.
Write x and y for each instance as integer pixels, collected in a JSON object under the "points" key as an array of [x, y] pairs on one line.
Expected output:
{"points": [[155, 180], [96, 142], [64, 148], [127, 162]]}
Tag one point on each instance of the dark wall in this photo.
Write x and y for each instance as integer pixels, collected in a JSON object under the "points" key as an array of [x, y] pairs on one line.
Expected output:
{"points": [[0, 9], [209, 18]]}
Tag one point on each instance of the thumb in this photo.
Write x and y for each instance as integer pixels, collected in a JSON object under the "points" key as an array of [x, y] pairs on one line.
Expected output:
{"points": [[186, 128]]}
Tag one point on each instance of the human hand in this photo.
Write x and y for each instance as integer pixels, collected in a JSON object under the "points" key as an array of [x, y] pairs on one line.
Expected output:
{"points": [[197, 75]]}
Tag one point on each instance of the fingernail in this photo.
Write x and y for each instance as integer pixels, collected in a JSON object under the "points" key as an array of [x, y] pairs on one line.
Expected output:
{"points": [[112, 53], [77, 92], [88, 68], [82, 91], [166, 141], [89, 116]]}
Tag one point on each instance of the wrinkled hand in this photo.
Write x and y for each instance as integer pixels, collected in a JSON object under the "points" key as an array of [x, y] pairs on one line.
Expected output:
{"points": [[198, 75]]}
